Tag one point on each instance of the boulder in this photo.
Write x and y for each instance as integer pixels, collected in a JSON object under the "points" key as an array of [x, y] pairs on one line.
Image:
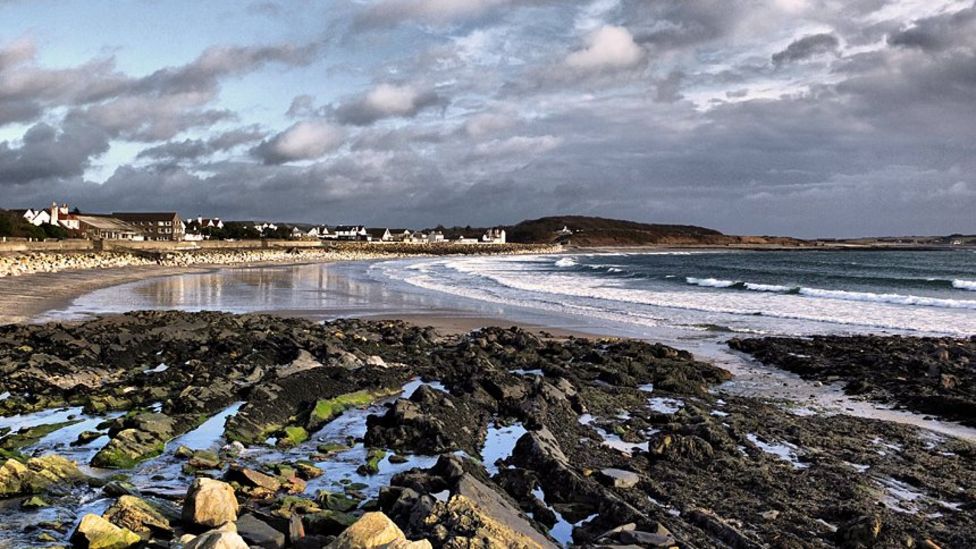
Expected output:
{"points": [[500, 519], [209, 503], [619, 478], [129, 447], [138, 516], [94, 532], [375, 531], [36, 475], [258, 533], [250, 477], [225, 537]]}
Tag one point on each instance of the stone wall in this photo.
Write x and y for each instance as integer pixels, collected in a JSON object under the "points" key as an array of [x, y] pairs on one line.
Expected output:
{"points": [[172, 254]]}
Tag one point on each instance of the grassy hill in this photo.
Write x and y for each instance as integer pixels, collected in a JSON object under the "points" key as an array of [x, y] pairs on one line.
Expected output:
{"points": [[597, 231]]}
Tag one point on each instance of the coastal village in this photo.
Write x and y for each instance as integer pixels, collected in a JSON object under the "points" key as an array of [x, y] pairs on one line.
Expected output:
{"points": [[61, 221]]}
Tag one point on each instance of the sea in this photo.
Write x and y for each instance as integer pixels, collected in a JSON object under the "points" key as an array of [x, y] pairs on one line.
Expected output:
{"points": [[750, 292], [659, 294]]}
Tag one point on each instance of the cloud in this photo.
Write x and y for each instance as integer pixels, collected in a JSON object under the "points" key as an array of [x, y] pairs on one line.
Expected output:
{"points": [[517, 146], [486, 123], [807, 47], [385, 101], [388, 13], [47, 153], [190, 149], [607, 48], [306, 140], [938, 33]]}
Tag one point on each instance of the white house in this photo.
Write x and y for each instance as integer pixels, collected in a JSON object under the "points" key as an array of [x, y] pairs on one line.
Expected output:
{"points": [[39, 217], [351, 232], [494, 236], [379, 235], [565, 231], [435, 237], [209, 223], [401, 235], [262, 227]]}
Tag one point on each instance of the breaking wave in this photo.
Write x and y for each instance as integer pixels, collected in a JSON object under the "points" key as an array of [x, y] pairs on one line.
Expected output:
{"points": [[844, 295], [964, 284]]}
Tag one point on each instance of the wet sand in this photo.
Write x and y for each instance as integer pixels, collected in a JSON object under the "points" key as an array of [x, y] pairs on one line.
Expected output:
{"points": [[24, 297]]}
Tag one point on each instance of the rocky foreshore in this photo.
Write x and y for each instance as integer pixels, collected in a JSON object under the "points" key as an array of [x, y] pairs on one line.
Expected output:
{"points": [[205, 430], [22, 263], [930, 375]]}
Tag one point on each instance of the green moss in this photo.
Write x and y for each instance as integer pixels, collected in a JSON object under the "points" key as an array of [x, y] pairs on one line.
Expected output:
{"points": [[328, 409], [293, 435], [30, 436], [331, 447], [115, 458], [373, 458]]}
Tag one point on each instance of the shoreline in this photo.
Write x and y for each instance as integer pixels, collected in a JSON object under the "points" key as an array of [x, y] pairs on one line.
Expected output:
{"points": [[23, 298], [28, 295]]}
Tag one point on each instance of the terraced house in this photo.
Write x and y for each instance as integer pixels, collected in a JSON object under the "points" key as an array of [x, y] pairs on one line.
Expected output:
{"points": [[155, 225]]}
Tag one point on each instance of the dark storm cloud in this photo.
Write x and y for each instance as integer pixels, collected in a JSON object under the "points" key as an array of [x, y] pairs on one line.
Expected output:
{"points": [[150, 108], [49, 153], [190, 149], [807, 47], [938, 33]]}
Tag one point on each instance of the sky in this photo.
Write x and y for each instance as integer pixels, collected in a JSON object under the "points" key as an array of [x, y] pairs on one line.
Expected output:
{"points": [[809, 118]]}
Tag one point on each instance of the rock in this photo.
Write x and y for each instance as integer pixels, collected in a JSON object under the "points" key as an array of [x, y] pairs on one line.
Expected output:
{"points": [[34, 502], [859, 532], [232, 450], [258, 533], [129, 447], [13, 476], [138, 516], [308, 470], [94, 532], [647, 539], [373, 458], [296, 529], [327, 523], [225, 537], [304, 361], [209, 503], [116, 488], [87, 436], [715, 525], [500, 520], [619, 478], [250, 477], [36, 476], [336, 502], [204, 460], [372, 531]]}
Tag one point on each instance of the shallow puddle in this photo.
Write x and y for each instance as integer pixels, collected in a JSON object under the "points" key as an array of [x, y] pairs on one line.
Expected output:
{"points": [[499, 444]]}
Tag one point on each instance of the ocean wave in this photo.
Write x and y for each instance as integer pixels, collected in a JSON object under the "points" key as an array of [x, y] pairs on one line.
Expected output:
{"points": [[896, 299], [844, 295], [964, 284], [567, 290], [710, 282], [566, 262]]}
